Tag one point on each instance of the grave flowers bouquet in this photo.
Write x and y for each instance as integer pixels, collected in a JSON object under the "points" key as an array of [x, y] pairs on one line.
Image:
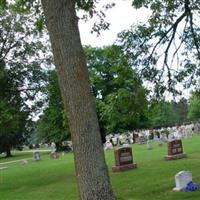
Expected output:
{"points": [[191, 187]]}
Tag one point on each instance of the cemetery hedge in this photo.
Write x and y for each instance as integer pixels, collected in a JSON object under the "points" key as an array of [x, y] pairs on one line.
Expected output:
{"points": [[55, 179]]}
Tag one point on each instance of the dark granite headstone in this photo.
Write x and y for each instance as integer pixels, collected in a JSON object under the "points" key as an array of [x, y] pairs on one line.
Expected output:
{"points": [[175, 150], [123, 159], [142, 140]]}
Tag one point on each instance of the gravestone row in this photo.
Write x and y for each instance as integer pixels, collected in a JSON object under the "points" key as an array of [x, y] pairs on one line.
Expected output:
{"points": [[124, 157]]}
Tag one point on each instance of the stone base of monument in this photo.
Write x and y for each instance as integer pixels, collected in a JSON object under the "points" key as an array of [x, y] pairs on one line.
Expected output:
{"points": [[124, 167], [177, 189], [175, 157]]}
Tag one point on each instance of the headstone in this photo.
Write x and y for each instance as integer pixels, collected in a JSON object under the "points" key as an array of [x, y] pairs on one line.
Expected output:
{"points": [[36, 156], [108, 145], [123, 139], [53, 147], [182, 179], [123, 159], [151, 135], [115, 141], [135, 137], [171, 136], [175, 150], [54, 155], [149, 145], [142, 140]]}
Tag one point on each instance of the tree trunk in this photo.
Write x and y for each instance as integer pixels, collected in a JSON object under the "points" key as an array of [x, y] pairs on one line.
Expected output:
{"points": [[8, 152], [91, 169]]}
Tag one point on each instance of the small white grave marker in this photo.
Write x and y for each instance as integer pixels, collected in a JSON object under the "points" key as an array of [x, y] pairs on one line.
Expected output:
{"points": [[149, 145], [182, 179], [36, 156]]}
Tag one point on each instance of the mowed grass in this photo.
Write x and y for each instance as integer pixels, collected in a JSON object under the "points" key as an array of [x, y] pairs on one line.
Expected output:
{"points": [[18, 155], [55, 179]]}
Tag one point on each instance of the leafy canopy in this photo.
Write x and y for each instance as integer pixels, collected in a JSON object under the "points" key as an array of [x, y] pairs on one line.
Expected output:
{"points": [[22, 78], [194, 106], [165, 50], [120, 96], [52, 125]]}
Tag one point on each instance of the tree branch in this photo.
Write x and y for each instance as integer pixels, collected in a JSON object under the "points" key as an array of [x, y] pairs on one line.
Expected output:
{"points": [[173, 27], [193, 34], [4, 41]]}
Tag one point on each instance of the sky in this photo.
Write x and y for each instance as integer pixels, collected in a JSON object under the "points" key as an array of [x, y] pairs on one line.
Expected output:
{"points": [[120, 17]]}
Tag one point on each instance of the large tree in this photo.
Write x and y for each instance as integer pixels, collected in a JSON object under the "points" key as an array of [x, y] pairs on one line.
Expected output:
{"points": [[20, 74], [162, 114], [120, 97], [13, 113], [91, 169], [194, 106], [181, 109]]}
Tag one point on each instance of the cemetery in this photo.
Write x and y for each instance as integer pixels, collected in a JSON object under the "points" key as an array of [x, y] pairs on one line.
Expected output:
{"points": [[99, 100], [154, 178]]}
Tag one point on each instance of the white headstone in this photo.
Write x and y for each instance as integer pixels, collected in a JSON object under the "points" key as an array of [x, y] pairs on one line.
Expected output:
{"points": [[115, 141], [122, 139], [36, 156], [149, 145], [108, 145], [182, 179], [53, 147]]}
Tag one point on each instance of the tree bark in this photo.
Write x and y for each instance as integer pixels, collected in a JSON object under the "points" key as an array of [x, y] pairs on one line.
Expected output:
{"points": [[8, 152], [91, 169]]}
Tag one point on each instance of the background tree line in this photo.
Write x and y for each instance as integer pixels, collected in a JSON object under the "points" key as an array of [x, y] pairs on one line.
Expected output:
{"points": [[122, 101], [23, 76]]}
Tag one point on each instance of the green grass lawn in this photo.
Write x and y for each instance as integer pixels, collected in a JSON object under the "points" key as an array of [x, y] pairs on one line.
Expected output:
{"points": [[17, 155], [55, 179]]}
